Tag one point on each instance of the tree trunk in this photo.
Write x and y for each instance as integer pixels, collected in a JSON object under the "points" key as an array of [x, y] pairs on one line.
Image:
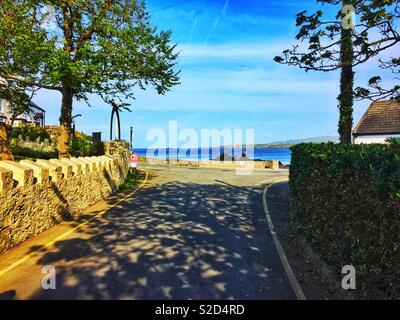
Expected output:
{"points": [[65, 122], [5, 150], [346, 85]]}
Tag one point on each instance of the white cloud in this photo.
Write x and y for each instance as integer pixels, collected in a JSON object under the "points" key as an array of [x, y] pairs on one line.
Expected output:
{"points": [[231, 51], [259, 81]]}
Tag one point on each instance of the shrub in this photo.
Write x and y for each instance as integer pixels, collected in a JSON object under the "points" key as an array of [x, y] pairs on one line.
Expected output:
{"points": [[346, 200], [82, 146], [25, 153], [29, 131]]}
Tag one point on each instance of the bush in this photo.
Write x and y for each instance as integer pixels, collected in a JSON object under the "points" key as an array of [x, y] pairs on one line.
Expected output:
{"points": [[346, 200], [25, 153], [29, 131], [82, 146]]}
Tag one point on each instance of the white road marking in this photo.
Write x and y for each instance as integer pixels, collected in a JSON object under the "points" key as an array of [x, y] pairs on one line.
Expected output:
{"points": [[286, 265]]}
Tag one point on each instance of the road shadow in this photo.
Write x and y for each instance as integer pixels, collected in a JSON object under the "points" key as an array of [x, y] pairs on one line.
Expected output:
{"points": [[172, 241], [308, 270]]}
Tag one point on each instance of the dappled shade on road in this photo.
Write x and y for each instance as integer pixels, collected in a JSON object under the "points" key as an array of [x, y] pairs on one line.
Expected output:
{"points": [[172, 241]]}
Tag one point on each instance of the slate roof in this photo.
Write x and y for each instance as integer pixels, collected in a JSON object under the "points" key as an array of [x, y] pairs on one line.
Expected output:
{"points": [[382, 117], [35, 106]]}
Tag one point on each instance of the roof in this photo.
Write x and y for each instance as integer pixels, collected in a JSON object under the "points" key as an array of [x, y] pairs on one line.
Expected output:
{"points": [[382, 117], [35, 106]]}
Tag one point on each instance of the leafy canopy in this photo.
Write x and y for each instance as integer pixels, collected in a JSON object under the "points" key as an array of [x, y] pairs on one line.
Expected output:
{"points": [[105, 47], [376, 30]]}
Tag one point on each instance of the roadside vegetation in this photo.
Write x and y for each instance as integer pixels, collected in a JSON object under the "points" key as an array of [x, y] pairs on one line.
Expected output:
{"points": [[82, 146], [345, 199], [131, 181], [31, 132], [26, 153], [32, 142]]}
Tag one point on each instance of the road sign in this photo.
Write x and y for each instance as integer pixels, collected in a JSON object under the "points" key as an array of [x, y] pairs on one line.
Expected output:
{"points": [[133, 160]]}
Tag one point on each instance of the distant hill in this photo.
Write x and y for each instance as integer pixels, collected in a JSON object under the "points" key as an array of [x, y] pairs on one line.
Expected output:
{"points": [[289, 143]]}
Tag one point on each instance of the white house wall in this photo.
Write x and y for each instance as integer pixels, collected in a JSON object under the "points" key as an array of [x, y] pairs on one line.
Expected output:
{"points": [[5, 111], [4, 106], [374, 138]]}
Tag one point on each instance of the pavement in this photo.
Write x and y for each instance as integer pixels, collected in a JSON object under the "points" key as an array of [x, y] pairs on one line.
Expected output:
{"points": [[188, 233]]}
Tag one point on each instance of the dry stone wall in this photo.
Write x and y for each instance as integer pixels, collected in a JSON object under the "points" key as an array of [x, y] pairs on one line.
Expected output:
{"points": [[36, 195]]}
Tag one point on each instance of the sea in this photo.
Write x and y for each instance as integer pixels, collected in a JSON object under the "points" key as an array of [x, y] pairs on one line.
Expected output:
{"points": [[281, 154]]}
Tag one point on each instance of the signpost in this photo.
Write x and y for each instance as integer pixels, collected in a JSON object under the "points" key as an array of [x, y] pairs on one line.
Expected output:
{"points": [[133, 161]]}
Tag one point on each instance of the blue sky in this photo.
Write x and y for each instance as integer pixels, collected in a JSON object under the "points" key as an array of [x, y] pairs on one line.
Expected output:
{"points": [[228, 78]]}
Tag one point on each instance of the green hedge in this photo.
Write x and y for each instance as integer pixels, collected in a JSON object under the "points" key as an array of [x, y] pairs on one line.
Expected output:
{"points": [[82, 146], [29, 131], [25, 153], [346, 200]]}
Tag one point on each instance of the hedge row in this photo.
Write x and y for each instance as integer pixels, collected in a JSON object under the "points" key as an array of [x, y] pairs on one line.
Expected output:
{"points": [[25, 153], [346, 200], [29, 131]]}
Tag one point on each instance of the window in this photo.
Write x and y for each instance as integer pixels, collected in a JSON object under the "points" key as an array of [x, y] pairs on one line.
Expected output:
{"points": [[1, 105]]}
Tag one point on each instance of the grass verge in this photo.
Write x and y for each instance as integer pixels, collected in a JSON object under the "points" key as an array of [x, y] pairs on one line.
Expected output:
{"points": [[131, 181]]}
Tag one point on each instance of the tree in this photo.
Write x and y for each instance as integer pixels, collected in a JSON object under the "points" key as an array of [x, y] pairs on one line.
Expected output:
{"points": [[341, 44], [103, 47], [22, 49], [376, 90], [387, 17]]}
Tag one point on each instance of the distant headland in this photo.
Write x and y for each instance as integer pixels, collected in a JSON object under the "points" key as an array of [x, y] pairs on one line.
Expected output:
{"points": [[289, 143]]}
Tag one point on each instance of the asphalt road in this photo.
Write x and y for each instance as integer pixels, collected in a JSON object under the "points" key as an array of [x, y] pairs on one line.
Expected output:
{"points": [[187, 234]]}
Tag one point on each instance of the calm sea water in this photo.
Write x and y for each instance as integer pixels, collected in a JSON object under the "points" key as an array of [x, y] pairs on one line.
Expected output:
{"points": [[283, 155]]}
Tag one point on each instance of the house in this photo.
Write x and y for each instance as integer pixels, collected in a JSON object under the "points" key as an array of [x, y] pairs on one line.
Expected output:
{"points": [[36, 116], [380, 121]]}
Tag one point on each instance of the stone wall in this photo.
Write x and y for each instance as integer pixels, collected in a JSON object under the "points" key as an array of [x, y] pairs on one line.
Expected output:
{"points": [[267, 164], [117, 147], [35, 196], [177, 162], [247, 164]]}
